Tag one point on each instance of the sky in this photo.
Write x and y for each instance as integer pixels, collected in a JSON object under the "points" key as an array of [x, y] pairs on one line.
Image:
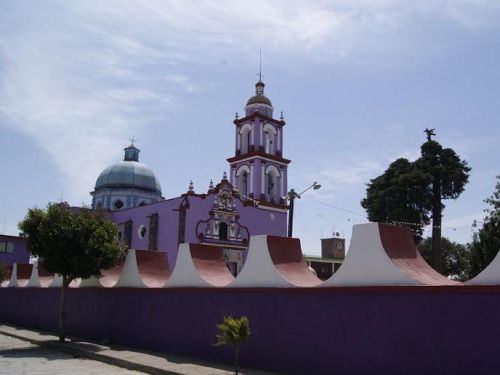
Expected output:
{"points": [[358, 82]]}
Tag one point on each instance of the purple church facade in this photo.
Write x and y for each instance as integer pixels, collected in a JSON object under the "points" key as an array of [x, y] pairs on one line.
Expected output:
{"points": [[251, 200], [194, 218]]}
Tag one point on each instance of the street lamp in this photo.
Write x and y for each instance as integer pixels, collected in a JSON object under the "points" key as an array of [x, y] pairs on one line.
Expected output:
{"points": [[291, 198]]}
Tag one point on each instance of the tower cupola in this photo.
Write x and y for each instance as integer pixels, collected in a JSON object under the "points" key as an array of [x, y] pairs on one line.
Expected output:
{"points": [[259, 102], [131, 153]]}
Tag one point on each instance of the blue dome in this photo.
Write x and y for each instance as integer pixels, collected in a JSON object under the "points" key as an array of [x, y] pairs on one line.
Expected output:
{"points": [[128, 174]]}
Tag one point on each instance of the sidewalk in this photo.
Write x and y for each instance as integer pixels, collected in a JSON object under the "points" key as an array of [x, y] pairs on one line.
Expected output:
{"points": [[143, 361]]}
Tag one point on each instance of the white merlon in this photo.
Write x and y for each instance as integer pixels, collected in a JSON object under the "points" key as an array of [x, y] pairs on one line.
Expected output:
{"points": [[13, 277], [130, 277], [91, 282], [259, 269], [185, 273], [34, 281], [490, 275], [384, 255]]}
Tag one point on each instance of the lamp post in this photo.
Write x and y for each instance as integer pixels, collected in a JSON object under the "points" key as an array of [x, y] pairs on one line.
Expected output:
{"points": [[291, 198]]}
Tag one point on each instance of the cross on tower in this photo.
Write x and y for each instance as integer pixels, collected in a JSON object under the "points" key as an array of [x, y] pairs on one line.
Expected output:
{"points": [[132, 140], [260, 65]]}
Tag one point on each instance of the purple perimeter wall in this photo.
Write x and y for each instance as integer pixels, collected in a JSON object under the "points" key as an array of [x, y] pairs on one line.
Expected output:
{"points": [[389, 330]]}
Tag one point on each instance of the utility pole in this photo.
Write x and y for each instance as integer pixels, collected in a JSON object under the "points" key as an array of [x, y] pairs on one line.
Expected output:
{"points": [[291, 198]]}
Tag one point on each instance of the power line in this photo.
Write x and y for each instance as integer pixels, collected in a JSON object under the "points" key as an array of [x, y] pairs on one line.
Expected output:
{"points": [[339, 208], [425, 226]]}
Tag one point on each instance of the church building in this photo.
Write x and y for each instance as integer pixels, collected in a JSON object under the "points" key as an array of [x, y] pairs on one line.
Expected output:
{"points": [[250, 201]]}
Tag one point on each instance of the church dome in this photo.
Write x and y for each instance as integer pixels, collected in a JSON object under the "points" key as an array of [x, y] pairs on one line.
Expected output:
{"points": [[129, 173]]}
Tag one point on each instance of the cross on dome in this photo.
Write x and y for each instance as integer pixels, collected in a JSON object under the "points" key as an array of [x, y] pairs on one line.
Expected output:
{"points": [[132, 140], [131, 152]]}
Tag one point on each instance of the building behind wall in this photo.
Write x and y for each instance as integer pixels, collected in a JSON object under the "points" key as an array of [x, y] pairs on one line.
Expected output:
{"points": [[332, 256], [13, 250]]}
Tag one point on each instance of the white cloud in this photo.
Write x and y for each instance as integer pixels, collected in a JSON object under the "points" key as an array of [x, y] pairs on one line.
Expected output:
{"points": [[474, 13], [358, 172], [343, 174]]}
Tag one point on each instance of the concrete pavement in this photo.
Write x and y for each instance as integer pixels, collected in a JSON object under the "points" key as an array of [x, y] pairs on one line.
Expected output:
{"points": [[22, 357], [131, 359]]}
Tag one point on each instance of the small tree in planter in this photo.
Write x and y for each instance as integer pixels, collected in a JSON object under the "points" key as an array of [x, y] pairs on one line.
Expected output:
{"points": [[233, 332]]}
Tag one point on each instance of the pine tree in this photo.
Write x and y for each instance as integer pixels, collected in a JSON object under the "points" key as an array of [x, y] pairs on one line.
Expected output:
{"points": [[411, 193], [447, 176], [399, 196]]}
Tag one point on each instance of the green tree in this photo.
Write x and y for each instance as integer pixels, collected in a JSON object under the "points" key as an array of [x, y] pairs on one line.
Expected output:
{"points": [[72, 243], [486, 243], [400, 195], [233, 332], [411, 193], [447, 176], [456, 258]]}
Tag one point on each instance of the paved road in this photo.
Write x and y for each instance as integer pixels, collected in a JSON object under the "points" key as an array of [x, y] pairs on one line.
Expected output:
{"points": [[21, 357]]}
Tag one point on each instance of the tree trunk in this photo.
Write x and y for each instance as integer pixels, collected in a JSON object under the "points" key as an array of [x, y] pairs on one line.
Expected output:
{"points": [[437, 209], [62, 305], [236, 354]]}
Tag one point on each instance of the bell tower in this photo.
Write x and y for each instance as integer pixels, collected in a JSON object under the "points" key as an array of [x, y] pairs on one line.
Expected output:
{"points": [[258, 168]]}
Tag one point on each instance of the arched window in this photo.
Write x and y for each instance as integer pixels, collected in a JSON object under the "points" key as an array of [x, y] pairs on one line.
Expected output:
{"points": [[269, 143], [272, 175], [269, 139], [243, 183], [271, 186], [245, 138]]}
